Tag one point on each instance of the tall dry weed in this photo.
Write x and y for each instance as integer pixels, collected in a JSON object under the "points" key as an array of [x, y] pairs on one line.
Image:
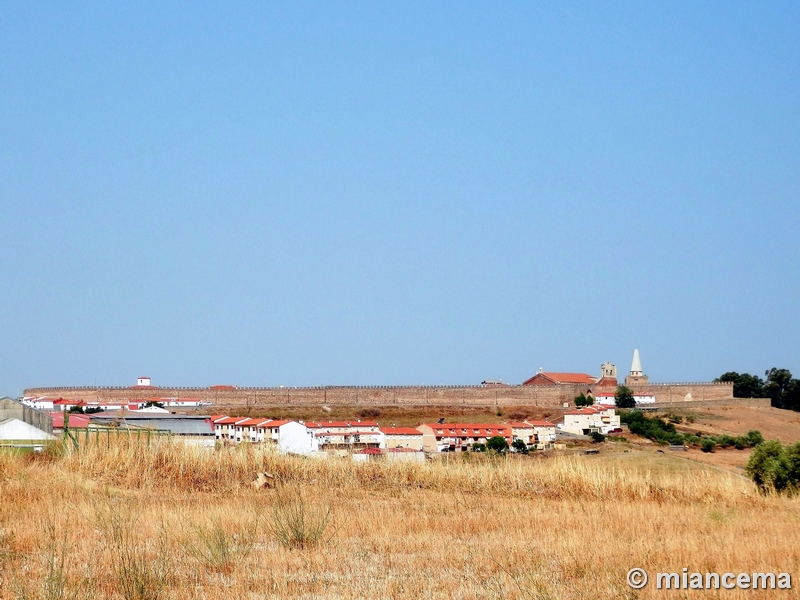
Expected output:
{"points": [[221, 546], [299, 523], [59, 579], [141, 565]]}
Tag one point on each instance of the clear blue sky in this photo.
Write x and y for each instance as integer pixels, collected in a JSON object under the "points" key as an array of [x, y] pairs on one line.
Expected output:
{"points": [[374, 193]]}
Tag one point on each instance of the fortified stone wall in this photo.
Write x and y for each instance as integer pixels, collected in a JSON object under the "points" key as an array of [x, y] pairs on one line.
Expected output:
{"points": [[551, 396]]}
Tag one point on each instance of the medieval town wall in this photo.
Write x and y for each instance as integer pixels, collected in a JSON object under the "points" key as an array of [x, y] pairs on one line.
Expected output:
{"points": [[551, 396]]}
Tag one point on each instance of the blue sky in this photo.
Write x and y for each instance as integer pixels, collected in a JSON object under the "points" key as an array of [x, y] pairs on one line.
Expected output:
{"points": [[325, 193]]}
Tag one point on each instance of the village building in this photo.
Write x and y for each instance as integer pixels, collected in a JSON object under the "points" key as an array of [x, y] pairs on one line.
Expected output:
{"points": [[534, 433], [551, 378], [402, 437], [347, 435], [589, 419], [609, 399], [290, 437], [225, 427], [460, 437]]}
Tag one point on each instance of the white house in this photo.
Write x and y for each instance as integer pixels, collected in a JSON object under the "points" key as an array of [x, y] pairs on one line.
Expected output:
{"points": [[143, 381], [225, 427], [609, 399], [294, 437], [596, 418], [39, 402]]}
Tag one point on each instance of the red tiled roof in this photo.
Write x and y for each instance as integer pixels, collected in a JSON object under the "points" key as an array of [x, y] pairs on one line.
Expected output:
{"points": [[400, 431], [589, 410], [251, 422], [541, 423], [269, 424], [324, 433], [550, 378], [318, 424], [229, 420], [484, 429]]}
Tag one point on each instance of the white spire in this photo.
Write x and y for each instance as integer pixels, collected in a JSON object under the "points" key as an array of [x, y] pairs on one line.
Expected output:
{"points": [[636, 365]]}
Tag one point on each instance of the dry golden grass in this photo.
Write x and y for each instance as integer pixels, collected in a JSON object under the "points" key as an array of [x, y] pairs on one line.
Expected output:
{"points": [[542, 527]]}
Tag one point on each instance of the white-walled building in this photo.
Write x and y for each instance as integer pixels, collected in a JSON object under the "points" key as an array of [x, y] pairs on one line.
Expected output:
{"points": [[609, 399], [294, 437], [347, 435], [534, 433], [596, 418]]}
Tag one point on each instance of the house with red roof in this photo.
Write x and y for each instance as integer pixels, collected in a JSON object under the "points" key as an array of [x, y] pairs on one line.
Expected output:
{"points": [[402, 437], [347, 436], [534, 433], [225, 427], [288, 436], [459, 437], [589, 419]]}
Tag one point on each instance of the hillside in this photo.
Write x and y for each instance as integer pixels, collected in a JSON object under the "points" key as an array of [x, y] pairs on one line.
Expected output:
{"points": [[773, 423]]}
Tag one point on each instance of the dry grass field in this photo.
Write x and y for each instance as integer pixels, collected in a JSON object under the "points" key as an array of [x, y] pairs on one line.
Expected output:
{"points": [[170, 521], [773, 423]]}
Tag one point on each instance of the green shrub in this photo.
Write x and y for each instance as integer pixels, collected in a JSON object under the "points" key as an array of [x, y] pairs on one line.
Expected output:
{"points": [[775, 468], [519, 446], [725, 441], [478, 447], [708, 445], [497, 444], [597, 437]]}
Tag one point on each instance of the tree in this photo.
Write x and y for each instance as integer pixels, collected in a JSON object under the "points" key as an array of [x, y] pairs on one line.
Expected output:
{"points": [[497, 443], [597, 437], [583, 400], [782, 389], [150, 403], [624, 397], [708, 445], [519, 446], [770, 468], [744, 384]]}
